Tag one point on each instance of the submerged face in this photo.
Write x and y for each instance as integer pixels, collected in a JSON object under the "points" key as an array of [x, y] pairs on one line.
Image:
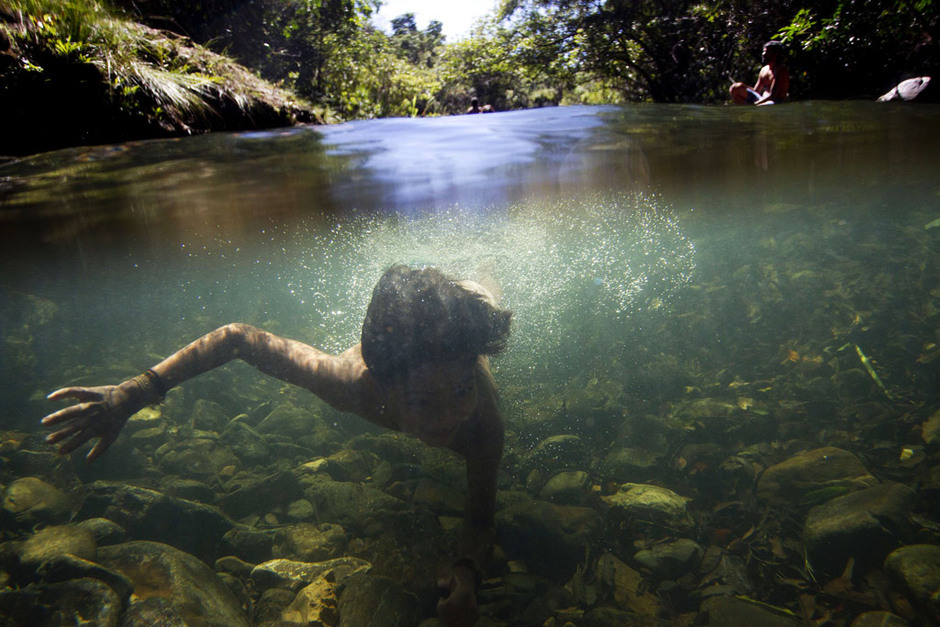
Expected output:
{"points": [[436, 399]]}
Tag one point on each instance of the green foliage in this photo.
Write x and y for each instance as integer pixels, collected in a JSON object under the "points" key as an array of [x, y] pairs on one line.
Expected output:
{"points": [[854, 47], [370, 80], [684, 51], [529, 53], [419, 48]]}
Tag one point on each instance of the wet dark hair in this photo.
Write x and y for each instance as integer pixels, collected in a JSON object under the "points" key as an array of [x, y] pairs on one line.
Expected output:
{"points": [[417, 317]]}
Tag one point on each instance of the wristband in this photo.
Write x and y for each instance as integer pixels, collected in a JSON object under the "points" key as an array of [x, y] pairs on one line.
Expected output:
{"points": [[151, 385]]}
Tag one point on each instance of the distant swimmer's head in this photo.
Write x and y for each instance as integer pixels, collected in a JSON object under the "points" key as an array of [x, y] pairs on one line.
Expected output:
{"points": [[420, 317], [773, 51]]}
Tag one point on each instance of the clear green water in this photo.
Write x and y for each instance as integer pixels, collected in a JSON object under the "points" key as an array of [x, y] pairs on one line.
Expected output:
{"points": [[698, 293], [667, 249]]}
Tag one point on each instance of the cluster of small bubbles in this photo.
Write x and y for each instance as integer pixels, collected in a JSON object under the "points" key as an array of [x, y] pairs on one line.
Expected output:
{"points": [[558, 265]]}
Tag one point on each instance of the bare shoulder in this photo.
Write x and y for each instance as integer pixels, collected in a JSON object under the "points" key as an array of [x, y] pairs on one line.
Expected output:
{"points": [[350, 373], [343, 380]]}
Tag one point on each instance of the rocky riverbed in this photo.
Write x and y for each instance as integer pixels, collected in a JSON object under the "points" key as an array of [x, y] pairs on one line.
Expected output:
{"points": [[766, 454], [192, 527]]}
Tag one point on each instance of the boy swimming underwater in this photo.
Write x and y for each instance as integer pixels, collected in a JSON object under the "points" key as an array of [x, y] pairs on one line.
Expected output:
{"points": [[421, 368]]}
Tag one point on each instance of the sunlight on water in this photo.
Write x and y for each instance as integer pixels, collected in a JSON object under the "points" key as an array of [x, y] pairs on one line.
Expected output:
{"points": [[604, 258]]}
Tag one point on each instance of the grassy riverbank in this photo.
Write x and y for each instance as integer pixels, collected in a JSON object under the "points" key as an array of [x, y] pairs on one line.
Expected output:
{"points": [[76, 72]]}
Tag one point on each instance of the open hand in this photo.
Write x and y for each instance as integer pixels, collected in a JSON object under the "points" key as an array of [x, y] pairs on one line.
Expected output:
{"points": [[101, 413], [458, 604]]}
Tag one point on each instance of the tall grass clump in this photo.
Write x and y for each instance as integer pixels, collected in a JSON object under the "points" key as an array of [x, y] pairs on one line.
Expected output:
{"points": [[80, 71], [142, 69]]}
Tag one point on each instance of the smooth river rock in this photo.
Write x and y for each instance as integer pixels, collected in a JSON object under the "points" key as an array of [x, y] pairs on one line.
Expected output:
{"points": [[30, 500], [865, 525], [376, 601], [151, 515], [825, 471], [74, 602], [651, 508], [50, 542], [549, 538], [916, 570], [193, 590], [293, 575], [305, 542]]}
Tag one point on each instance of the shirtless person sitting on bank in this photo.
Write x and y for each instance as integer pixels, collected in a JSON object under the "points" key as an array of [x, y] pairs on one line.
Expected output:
{"points": [[773, 82], [421, 368]]}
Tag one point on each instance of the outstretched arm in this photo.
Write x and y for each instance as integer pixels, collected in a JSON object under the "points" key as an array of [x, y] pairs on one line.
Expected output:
{"points": [[103, 411]]}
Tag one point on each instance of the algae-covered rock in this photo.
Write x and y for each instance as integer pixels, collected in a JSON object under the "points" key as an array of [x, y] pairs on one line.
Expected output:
{"points": [[246, 443], [879, 619], [916, 569], [390, 446], [83, 601], [30, 500], [612, 617], [162, 571], [262, 495], [149, 417], [105, 531], [300, 510], [866, 525], [66, 567], [650, 507], [594, 407], [829, 469], [671, 560], [706, 410], [208, 416], [150, 515], [305, 542], [350, 465], [440, 498], [152, 611], [376, 601], [290, 422], [727, 611], [571, 487], [617, 582], [356, 506], [315, 604], [741, 416], [549, 538], [248, 543], [189, 489], [930, 429], [27, 461], [294, 575], [629, 464], [557, 453], [201, 457], [57, 540]]}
